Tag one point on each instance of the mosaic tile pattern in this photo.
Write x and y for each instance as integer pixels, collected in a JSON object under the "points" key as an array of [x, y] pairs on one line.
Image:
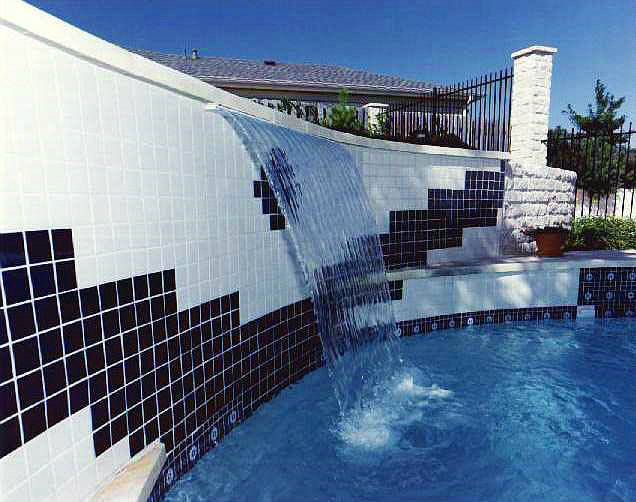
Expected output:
{"points": [[413, 232], [464, 319], [146, 369], [396, 289], [612, 290], [263, 191]]}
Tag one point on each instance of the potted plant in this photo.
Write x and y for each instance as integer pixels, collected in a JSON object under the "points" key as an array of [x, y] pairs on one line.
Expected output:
{"points": [[550, 240]]}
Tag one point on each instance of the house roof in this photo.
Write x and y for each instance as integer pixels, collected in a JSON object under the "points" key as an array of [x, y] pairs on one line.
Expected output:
{"points": [[224, 72]]}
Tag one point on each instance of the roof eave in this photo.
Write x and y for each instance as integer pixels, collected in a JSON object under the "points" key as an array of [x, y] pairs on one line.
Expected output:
{"points": [[239, 83]]}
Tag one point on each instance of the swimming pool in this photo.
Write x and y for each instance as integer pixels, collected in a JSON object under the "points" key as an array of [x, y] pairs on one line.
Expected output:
{"points": [[523, 412]]}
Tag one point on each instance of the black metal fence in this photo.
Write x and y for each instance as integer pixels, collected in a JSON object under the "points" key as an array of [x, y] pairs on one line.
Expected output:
{"points": [[605, 164], [473, 114]]}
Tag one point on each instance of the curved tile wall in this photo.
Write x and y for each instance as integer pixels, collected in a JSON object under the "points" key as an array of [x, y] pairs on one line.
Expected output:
{"points": [[147, 286]]}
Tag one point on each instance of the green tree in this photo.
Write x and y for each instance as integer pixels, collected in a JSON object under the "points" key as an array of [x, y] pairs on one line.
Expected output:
{"points": [[597, 152], [602, 117], [344, 117]]}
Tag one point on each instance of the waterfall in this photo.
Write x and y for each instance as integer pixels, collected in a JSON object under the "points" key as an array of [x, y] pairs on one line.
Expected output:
{"points": [[320, 192]]}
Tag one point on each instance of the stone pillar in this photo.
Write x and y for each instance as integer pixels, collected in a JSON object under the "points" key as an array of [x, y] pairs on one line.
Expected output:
{"points": [[530, 104]]}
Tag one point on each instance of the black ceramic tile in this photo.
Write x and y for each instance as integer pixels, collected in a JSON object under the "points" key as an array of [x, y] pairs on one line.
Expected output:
{"points": [[140, 286], [95, 360], [115, 377], [97, 386], [42, 280], [124, 291], [54, 378], [62, 244], [102, 440], [110, 323], [26, 355], [16, 285], [72, 336], [108, 295], [89, 300], [155, 282], [4, 335], [75, 367], [78, 395], [21, 321], [46, 313], [69, 306], [33, 422], [30, 389], [12, 250], [38, 246], [10, 434], [92, 327], [65, 275], [136, 442], [169, 282], [50, 345], [119, 429], [6, 371], [8, 402], [114, 352], [56, 409]]}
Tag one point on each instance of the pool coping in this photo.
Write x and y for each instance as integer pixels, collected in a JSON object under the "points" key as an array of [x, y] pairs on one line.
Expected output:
{"points": [[135, 481], [521, 264]]}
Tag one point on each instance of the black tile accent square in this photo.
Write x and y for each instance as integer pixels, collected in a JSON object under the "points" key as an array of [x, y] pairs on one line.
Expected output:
{"points": [[97, 386], [119, 429], [30, 389], [115, 377], [131, 368], [33, 422], [50, 345], [42, 280], [26, 355], [117, 401], [38, 246], [10, 434], [135, 418], [46, 313], [142, 310], [124, 291], [99, 413], [127, 317], [108, 295], [136, 442], [65, 274], [8, 402], [54, 378], [75, 367], [56, 408], [156, 283], [78, 395], [130, 343], [113, 350], [4, 336], [110, 323], [73, 337], [101, 440], [62, 244], [89, 298], [16, 285], [157, 307], [92, 330], [140, 285], [6, 370], [11, 250], [152, 431], [133, 393], [169, 282], [69, 306], [21, 321], [95, 359]]}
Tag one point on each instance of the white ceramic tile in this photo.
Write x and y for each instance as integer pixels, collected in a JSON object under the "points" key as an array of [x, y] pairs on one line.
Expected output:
{"points": [[13, 469], [64, 467], [42, 483], [60, 435], [37, 452], [15, 493]]}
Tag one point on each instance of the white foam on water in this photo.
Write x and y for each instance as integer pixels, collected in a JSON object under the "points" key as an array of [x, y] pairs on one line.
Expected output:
{"points": [[398, 404]]}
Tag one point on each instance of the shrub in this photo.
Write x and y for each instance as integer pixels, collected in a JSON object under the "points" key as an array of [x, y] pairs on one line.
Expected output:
{"points": [[602, 233]]}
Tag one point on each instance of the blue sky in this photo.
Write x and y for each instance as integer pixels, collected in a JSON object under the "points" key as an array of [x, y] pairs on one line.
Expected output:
{"points": [[444, 41]]}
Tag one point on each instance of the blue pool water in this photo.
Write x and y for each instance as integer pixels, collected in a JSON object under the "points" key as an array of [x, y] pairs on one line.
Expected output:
{"points": [[526, 412]]}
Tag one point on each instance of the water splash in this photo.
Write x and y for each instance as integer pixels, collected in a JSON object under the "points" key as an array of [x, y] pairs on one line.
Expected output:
{"points": [[320, 192]]}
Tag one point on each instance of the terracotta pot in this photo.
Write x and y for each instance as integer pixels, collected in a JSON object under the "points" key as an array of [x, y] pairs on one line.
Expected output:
{"points": [[550, 243]]}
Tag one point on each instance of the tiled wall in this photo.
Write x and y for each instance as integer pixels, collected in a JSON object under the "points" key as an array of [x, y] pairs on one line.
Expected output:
{"points": [[147, 285], [434, 208]]}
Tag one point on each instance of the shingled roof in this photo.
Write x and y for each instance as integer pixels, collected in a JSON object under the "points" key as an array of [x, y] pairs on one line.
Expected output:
{"points": [[236, 72]]}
